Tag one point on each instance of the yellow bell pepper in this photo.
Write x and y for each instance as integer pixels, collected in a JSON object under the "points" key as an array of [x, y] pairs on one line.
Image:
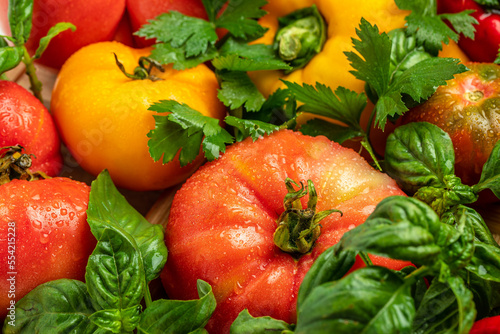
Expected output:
{"points": [[331, 66]]}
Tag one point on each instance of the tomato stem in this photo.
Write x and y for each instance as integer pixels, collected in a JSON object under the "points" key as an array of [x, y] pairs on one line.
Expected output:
{"points": [[299, 228], [16, 165], [143, 71]]}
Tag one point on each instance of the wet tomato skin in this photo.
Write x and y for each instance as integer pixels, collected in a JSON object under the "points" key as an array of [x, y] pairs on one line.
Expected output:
{"points": [[25, 121], [44, 234], [222, 222], [468, 109]]}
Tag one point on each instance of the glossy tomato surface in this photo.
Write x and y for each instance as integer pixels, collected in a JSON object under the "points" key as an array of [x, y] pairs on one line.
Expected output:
{"points": [[223, 218], [468, 109], [25, 121], [95, 21], [104, 120], [44, 235]]}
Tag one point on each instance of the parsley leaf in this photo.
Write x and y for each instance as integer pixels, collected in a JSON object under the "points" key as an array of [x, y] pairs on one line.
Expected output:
{"points": [[372, 65], [344, 105], [253, 128], [335, 132], [185, 129], [429, 28], [237, 89], [192, 34], [239, 18]]}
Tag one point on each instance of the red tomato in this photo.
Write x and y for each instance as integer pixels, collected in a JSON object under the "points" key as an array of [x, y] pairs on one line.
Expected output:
{"points": [[44, 235], [222, 222], [25, 121], [489, 325], [95, 21], [467, 109], [141, 11]]}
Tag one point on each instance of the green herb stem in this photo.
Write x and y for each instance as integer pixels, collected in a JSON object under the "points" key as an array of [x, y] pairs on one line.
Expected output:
{"points": [[366, 259], [36, 85], [147, 296]]}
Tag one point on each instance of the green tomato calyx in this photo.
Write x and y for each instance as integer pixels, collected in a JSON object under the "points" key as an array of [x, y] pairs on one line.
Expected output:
{"points": [[299, 228], [14, 164], [143, 71]]}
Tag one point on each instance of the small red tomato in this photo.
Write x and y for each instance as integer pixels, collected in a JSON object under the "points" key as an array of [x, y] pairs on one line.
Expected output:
{"points": [[141, 11], [489, 325], [25, 121], [468, 109], [44, 235], [222, 222], [95, 21]]}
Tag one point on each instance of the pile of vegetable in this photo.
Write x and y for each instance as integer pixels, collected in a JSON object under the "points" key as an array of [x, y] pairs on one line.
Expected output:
{"points": [[327, 176]]}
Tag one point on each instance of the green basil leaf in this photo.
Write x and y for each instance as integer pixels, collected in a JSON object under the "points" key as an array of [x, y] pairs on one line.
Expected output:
{"points": [[117, 321], [465, 303], [446, 308], [109, 209], [369, 300], [179, 316], [20, 14], [473, 218], [246, 324], [419, 154], [400, 228], [330, 266], [115, 274], [457, 244], [53, 32], [486, 293], [486, 261], [490, 176], [10, 57], [62, 306]]}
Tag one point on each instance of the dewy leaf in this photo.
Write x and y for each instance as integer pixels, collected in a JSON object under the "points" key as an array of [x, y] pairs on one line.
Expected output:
{"points": [[486, 261], [465, 303], [10, 57], [342, 105], [60, 307], [440, 312], [368, 300], [20, 13], [419, 154], [240, 18], [178, 316], [185, 129], [115, 273], [237, 89], [401, 228], [166, 54], [109, 209], [53, 32], [461, 212], [245, 324], [117, 321], [490, 176], [335, 132]]}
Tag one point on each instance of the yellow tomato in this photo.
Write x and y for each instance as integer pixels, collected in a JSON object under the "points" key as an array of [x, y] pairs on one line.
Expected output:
{"points": [[103, 116]]}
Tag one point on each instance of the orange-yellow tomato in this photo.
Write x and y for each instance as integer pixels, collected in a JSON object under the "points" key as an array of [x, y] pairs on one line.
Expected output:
{"points": [[104, 120]]}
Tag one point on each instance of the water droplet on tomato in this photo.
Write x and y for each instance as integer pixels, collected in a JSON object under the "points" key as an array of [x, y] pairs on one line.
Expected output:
{"points": [[63, 212], [44, 238], [238, 288], [36, 224], [59, 223]]}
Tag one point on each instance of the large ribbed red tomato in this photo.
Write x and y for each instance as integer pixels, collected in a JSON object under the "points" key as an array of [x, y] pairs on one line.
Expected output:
{"points": [[222, 222]]}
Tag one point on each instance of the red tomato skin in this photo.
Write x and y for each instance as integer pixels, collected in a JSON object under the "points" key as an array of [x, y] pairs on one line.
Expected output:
{"points": [[95, 21], [489, 325], [24, 120], [141, 11], [222, 222], [473, 125], [44, 231]]}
